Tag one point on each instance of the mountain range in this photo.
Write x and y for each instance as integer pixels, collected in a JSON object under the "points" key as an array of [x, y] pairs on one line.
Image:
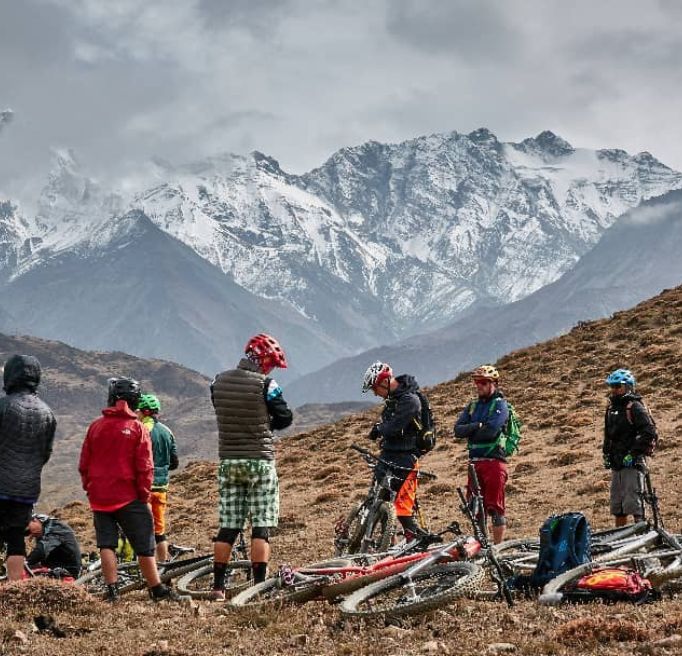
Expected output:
{"points": [[380, 243], [636, 258]]}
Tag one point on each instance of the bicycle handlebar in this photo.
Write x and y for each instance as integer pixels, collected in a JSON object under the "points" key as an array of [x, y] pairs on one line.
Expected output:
{"points": [[371, 458]]}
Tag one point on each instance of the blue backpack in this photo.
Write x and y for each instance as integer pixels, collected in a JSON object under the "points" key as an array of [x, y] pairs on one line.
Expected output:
{"points": [[564, 544]]}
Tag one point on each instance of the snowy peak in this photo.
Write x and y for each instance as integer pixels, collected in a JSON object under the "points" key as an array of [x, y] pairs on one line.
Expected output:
{"points": [[548, 144]]}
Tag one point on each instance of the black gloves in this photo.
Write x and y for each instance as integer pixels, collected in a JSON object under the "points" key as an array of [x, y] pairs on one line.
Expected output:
{"points": [[375, 432]]}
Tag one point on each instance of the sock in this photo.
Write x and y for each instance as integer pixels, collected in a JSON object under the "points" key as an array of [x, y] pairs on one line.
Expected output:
{"points": [[260, 571], [219, 570]]}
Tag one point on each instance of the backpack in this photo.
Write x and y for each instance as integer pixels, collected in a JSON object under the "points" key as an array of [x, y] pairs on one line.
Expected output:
{"points": [[426, 426], [564, 544], [612, 584], [510, 436]]}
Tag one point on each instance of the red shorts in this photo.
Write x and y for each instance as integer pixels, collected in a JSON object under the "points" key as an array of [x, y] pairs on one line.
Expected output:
{"points": [[492, 477]]}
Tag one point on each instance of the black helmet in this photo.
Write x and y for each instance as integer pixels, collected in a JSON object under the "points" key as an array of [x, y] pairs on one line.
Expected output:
{"points": [[124, 388]]}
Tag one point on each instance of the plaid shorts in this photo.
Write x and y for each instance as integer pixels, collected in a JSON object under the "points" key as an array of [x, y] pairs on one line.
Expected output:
{"points": [[248, 489]]}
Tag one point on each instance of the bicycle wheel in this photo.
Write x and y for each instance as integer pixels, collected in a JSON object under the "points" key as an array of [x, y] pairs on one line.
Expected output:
{"points": [[382, 529], [177, 568], [427, 590], [349, 535], [129, 578], [272, 593], [198, 583]]}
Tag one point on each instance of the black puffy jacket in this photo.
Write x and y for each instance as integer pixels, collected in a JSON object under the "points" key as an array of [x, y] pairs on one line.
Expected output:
{"points": [[398, 428], [627, 432], [27, 428]]}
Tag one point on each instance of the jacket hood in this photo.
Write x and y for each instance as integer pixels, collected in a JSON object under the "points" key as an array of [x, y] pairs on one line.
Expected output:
{"points": [[624, 399], [406, 384], [121, 409], [21, 372]]}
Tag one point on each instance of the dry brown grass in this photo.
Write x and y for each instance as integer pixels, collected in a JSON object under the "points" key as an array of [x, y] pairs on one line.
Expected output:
{"points": [[557, 388]]}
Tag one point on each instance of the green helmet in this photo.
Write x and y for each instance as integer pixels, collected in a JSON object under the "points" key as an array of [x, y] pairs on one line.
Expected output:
{"points": [[149, 402]]}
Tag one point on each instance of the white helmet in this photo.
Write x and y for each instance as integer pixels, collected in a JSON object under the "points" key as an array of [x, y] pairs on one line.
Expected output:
{"points": [[376, 372]]}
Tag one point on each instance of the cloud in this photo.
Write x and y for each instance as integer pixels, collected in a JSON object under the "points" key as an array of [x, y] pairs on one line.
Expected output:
{"points": [[6, 116], [122, 82]]}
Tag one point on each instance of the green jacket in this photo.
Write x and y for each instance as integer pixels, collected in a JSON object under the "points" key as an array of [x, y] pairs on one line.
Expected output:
{"points": [[164, 452]]}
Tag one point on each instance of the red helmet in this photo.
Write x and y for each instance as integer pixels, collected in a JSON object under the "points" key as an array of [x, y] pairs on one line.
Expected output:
{"points": [[266, 351], [376, 373]]}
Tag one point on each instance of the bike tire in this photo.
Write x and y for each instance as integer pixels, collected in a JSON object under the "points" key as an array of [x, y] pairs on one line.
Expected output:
{"points": [[435, 586], [175, 569], [271, 594], [198, 583], [383, 528], [350, 542], [129, 579]]}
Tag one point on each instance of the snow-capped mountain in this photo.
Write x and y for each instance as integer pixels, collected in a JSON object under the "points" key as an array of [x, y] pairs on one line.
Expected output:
{"points": [[382, 241], [635, 259]]}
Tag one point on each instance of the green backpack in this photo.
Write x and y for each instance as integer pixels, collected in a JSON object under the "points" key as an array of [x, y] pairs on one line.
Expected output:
{"points": [[510, 435]]}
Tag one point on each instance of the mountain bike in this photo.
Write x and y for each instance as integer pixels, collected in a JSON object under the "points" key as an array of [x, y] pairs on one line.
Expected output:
{"points": [[130, 577], [336, 578], [198, 583], [371, 524]]}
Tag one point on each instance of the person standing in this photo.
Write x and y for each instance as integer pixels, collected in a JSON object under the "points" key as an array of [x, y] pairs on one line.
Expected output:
{"points": [[27, 428], [396, 434], [117, 471], [629, 436], [482, 424], [248, 406], [165, 457]]}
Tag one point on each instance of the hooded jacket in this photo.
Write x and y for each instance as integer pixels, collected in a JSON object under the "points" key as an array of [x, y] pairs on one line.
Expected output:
{"points": [[398, 429], [481, 424], [164, 451], [27, 428], [633, 435], [116, 465]]}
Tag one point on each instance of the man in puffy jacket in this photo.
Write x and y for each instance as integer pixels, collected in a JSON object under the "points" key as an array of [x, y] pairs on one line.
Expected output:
{"points": [[117, 471], [56, 545], [27, 428], [629, 436], [397, 437], [165, 456], [249, 405], [481, 423]]}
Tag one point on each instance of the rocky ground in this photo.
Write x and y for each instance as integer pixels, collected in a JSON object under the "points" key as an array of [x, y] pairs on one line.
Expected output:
{"points": [[559, 393]]}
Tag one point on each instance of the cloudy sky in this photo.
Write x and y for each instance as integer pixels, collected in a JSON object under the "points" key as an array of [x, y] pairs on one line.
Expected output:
{"points": [[121, 81]]}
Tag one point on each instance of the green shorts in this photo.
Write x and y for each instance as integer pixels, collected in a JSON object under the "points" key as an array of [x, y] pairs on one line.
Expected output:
{"points": [[248, 489]]}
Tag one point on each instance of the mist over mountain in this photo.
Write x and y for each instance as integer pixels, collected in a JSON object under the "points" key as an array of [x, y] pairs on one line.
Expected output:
{"points": [[381, 242], [635, 259]]}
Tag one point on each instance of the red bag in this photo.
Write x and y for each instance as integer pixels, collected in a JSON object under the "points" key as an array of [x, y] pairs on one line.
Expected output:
{"points": [[613, 584]]}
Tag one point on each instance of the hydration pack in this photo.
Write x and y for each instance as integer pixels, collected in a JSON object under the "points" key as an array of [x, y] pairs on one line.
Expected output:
{"points": [[612, 584], [510, 436], [564, 544], [426, 426]]}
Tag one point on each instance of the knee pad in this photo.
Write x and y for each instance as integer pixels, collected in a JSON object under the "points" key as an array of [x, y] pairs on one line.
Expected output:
{"points": [[227, 535], [498, 520], [160, 538], [15, 542], [260, 533]]}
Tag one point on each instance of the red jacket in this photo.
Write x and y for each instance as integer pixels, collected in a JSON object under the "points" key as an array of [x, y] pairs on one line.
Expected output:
{"points": [[116, 464]]}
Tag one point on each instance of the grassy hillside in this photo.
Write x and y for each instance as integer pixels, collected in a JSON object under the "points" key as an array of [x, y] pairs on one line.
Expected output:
{"points": [[559, 393]]}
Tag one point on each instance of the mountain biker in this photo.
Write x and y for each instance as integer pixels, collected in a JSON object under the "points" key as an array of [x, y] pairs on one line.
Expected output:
{"points": [[397, 437], [27, 428], [117, 471], [165, 459], [248, 406], [481, 424], [56, 545], [629, 436]]}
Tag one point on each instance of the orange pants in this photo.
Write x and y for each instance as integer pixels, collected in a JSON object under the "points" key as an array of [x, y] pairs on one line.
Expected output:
{"points": [[159, 501], [407, 494]]}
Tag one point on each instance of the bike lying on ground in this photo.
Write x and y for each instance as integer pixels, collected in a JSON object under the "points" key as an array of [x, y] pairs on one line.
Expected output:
{"points": [[371, 524], [336, 578]]}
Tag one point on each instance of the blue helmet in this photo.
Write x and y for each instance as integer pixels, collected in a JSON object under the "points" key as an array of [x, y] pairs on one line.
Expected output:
{"points": [[621, 377]]}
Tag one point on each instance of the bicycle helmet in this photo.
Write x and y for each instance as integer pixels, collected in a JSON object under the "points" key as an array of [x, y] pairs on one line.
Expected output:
{"points": [[126, 389], [486, 372], [376, 373], [40, 517], [621, 377], [149, 402], [265, 351]]}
